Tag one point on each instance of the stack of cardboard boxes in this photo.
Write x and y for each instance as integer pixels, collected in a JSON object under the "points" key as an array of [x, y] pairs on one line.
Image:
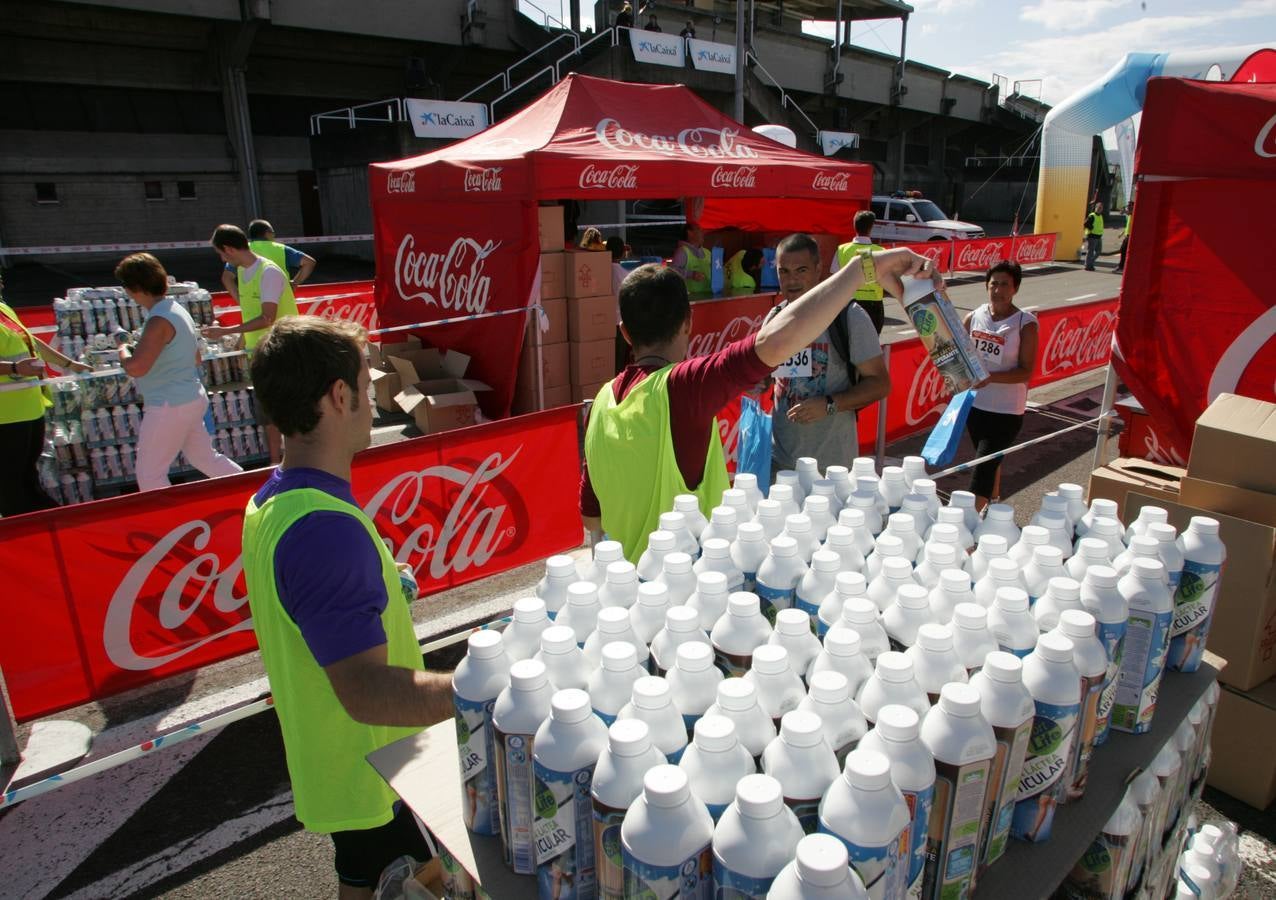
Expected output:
{"points": [[1231, 477], [427, 384]]}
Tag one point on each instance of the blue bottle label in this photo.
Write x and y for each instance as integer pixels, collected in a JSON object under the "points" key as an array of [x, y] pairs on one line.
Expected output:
{"points": [[692, 879], [920, 804], [477, 750], [731, 885], [881, 869], [563, 833], [607, 851], [773, 599], [1139, 681], [1049, 759], [1112, 636], [514, 772], [1193, 613]]}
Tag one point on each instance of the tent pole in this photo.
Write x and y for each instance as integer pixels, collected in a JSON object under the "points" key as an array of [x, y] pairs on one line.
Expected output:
{"points": [[879, 446], [1109, 394]]}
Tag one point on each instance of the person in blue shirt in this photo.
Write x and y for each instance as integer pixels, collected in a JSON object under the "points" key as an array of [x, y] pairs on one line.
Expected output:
{"points": [[302, 264]]}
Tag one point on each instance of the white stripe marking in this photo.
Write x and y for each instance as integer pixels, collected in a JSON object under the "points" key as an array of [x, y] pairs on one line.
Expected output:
{"points": [[1030, 308], [1081, 297]]}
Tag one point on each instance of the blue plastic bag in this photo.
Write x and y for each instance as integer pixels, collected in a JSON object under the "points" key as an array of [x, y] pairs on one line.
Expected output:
{"points": [[717, 276], [941, 446], [753, 448], [769, 278]]}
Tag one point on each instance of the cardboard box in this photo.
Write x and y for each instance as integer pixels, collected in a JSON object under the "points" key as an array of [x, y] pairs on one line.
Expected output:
{"points": [[588, 273], [583, 392], [549, 220], [555, 368], [434, 391], [1235, 443], [593, 362], [525, 398], [1243, 630], [1255, 506], [387, 380], [591, 319], [378, 352], [553, 275], [1244, 733], [1115, 480], [556, 315]]}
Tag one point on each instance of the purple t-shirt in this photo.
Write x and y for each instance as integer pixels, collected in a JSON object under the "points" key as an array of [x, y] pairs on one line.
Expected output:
{"points": [[328, 571]]}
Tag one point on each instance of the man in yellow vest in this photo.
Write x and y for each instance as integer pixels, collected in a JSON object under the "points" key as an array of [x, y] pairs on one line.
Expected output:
{"points": [[692, 261], [870, 297], [652, 433], [261, 240], [328, 606], [1093, 236]]}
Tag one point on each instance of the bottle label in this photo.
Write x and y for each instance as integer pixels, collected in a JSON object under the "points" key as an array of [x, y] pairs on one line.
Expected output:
{"points": [[732, 885], [1104, 869], [812, 609], [607, 853], [716, 810], [773, 600], [608, 718], [1048, 759], [952, 840], [912, 860], [733, 665], [692, 879], [1003, 787], [1139, 681], [457, 883], [807, 811], [1091, 691], [1195, 595], [881, 869], [750, 582], [514, 781], [475, 747], [1112, 636], [564, 865]]}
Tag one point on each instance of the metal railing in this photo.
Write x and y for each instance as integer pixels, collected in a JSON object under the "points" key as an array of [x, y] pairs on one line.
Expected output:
{"points": [[975, 162], [350, 115], [507, 76], [785, 100]]}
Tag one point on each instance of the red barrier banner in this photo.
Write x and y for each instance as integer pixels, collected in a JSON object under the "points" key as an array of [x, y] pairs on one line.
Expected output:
{"points": [[938, 252], [107, 596], [1025, 249], [349, 300]]}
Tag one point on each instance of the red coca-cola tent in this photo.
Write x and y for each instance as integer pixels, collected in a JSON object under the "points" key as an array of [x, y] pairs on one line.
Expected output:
{"points": [[1198, 310], [456, 229]]}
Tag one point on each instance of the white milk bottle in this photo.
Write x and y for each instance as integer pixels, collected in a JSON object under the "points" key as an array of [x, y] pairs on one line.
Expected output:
{"points": [[862, 466], [580, 612], [1147, 639], [892, 487], [918, 507], [952, 515], [1032, 537], [826, 487], [723, 522], [1002, 573], [647, 615], [854, 519], [1062, 594], [965, 501], [738, 500], [909, 612], [1147, 516], [651, 563], [748, 483], [617, 783], [845, 586], [972, 638], [748, 550], [678, 578], [859, 614], [666, 840], [830, 698], [620, 585], [808, 472], [605, 553], [770, 516], [519, 711], [816, 509], [1091, 661], [964, 747], [710, 599], [684, 540], [843, 653], [755, 838], [1055, 684], [611, 685], [842, 484], [689, 506], [799, 528], [1167, 766], [652, 702], [1144, 546], [682, 626], [867, 813], [904, 526], [935, 662], [477, 682], [1107, 529], [865, 500], [936, 558], [522, 636], [1060, 532], [803, 762], [1058, 505], [953, 588], [1075, 495], [817, 582], [1100, 507], [1102, 599], [1104, 869], [914, 467], [819, 871], [928, 489], [841, 540], [780, 689], [715, 762], [565, 752], [716, 557], [613, 625], [1168, 551], [739, 631], [1203, 559], [1145, 790], [1046, 563], [787, 495], [892, 682], [560, 571], [693, 683], [737, 700], [999, 519], [564, 662], [779, 576], [1011, 622], [990, 547], [795, 633], [895, 573], [1089, 552], [1009, 709]]}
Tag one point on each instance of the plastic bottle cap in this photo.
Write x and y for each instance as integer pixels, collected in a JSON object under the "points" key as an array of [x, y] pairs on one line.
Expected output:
{"points": [[1093, 548], [864, 498], [665, 786], [1071, 491], [1062, 587], [672, 522], [1047, 555], [1149, 569], [1004, 667], [653, 593], [618, 656], [1052, 520], [677, 563], [529, 609], [711, 582], [736, 694], [1011, 599], [912, 596], [781, 493], [582, 593], [955, 581], [850, 584], [558, 639], [744, 603], [825, 561], [1055, 503], [1101, 576], [896, 722], [924, 486], [1106, 525], [792, 621], [745, 481], [799, 728], [822, 861], [970, 615], [859, 610], [818, 503], [897, 568], [999, 512], [694, 656], [959, 699], [901, 523], [769, 509], [1144, 545], [771, 659], [830, 687], [651, 692], [889, 546], [613, 620], [941, 554], [733, 498], [621, 572], [1162, 532], [1003, 569], [851, 517], [1101, 506], [894, 666], [560, 566], [961, 500], [783, 546], [486, 644], [797, 523], [993, 545], [837, 473], [914, 503], [950, 515], [1034, 535], [714, 733], [842, 642], [608, 552], [1210, 833], [685, 503], [628, 737], [823, 487], [1054, 647], [750, 531], [569, 705], [935, 637], [1203, 525], [759, 796], [682, 618], [716, 548], [892, 473], [529, 674], [868, 770], [662, 540], [839, 536]]}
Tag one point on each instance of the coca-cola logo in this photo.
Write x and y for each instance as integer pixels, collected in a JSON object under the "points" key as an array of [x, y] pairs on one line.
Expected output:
{"points": [[1240, 355], [701, 143], [1166, 455], [620, 178], [401, 182], [831, 181], [473, 530], [1264, 146], [1076, 344], [363, 313], [486, 181], [452, 280], [734, 177], [704, 343], [979, 255], [1029, 251], [927, 394]]}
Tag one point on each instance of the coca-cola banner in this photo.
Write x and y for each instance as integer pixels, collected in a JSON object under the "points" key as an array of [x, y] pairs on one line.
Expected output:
{"points": [[348, 300], [980, 254], [107, 596]]}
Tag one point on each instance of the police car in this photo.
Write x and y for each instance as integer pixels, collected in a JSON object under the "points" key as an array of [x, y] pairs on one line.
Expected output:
{"points": [[908, 216]]}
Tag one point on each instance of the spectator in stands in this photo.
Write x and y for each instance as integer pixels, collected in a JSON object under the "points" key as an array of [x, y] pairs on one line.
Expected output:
{"points": [[328, 605], [692, 261], [652, 433], [261, 238], [652, 24], [869, 298], [625, 18], [688, 30], [165, 363]]}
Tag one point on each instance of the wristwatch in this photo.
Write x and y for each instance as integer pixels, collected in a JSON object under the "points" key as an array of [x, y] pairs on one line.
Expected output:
{"points": [[830, 405], [869, 268]]}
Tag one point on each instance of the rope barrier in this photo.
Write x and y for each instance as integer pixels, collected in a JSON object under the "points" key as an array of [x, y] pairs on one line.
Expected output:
{"points": [[49, 249], [1015, 449]]}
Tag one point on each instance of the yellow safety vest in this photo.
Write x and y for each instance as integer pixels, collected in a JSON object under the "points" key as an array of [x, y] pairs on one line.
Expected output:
{"points": [[1128, 220], [847, 252], [738, 279], [1096, 224], [250, 290], [28, 403], [699, 260]]}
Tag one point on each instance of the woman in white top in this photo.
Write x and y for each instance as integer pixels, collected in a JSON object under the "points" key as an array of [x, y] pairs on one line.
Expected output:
{"points": [[1005, 338]]}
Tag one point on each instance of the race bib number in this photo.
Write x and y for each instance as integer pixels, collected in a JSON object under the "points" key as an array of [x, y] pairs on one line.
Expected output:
{"points": [[796, 366], [986, 344]]}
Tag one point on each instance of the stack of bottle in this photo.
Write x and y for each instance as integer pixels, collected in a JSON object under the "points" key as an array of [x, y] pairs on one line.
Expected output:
{"points": [[843, 656]]}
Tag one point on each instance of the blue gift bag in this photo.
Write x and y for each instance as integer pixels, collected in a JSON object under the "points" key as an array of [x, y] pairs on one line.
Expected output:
{"points": [[769, 279], [753, 449], [941, 446], [717, 276]]}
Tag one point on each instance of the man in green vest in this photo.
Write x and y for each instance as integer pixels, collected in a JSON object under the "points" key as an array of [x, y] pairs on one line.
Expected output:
{"points": [[692, 261], [870, 297], [652, 433], [1093, 236], [328, 606], [261, 240]]}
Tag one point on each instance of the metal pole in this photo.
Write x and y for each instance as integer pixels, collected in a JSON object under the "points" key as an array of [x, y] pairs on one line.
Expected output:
{"points": [[1109, 394], [10, 754], [738, 109], [879, 447]]}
